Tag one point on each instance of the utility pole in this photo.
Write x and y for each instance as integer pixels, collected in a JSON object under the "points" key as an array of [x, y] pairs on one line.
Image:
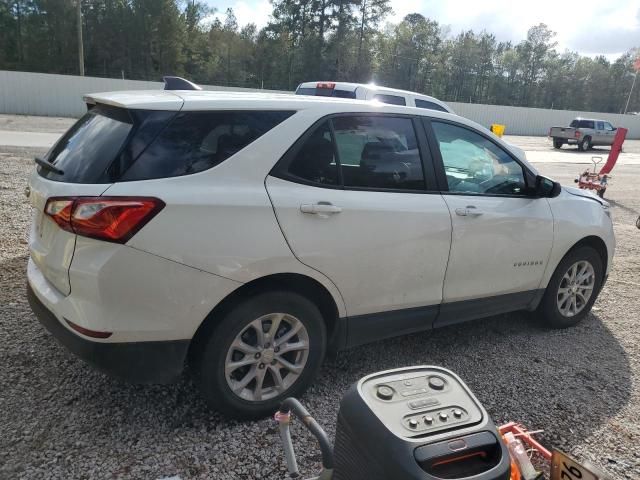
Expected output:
{"points": [[630, 92], [80, 46]]}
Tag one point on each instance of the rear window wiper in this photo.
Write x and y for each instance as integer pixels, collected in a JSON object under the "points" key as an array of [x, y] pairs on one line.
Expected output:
{"points": [[48, 166]]}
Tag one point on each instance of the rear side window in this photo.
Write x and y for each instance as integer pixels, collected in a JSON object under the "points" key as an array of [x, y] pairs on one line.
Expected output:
{"points": [[197, 141], [586, 124], [429, 105], [87, 149], [390, 99], [315, 161], [363, 152]]}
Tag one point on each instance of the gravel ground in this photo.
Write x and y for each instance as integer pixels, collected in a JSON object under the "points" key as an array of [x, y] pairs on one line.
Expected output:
{"points": [[62, 420]]}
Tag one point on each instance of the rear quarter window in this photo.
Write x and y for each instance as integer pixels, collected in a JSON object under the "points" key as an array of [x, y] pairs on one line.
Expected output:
{"points": [[197, 141], [390, 99], [429, 105]]}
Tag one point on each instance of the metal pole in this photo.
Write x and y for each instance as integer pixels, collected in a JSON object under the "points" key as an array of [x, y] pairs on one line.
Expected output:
{"points": [[80, 46], [630, 92]]}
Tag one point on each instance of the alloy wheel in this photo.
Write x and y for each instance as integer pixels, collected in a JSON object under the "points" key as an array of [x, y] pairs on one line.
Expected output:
{"points": [[576, 288], [267, 357]]}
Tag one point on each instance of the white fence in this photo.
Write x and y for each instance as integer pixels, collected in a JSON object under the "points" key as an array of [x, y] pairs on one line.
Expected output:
{"points": [[61, 95], [26, 93], [536, 121]]}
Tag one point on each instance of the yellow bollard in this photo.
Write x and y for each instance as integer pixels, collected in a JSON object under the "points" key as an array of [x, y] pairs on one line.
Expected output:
{"points": [[498, 129]]}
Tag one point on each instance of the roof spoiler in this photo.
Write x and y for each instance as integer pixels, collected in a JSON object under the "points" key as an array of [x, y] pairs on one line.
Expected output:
{"points": [[178, 83]]}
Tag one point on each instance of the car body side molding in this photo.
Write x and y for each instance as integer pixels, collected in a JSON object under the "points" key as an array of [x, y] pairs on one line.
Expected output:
{"points": [[362, 329]]}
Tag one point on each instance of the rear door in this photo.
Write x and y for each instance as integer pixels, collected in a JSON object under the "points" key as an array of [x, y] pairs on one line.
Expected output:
{"points": [[600, 137], [355, 200], [501, 237]]}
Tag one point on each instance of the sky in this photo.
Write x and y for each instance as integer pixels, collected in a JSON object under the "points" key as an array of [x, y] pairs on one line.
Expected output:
{"points": [[589, 27]]}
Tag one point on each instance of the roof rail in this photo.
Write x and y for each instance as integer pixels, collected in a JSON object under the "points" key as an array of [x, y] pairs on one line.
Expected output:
{"points": [[178, 83]]}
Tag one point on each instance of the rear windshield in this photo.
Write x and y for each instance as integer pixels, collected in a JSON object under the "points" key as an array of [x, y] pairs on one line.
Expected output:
{"points": [[87, 149], [111, 144], [326, 92], [582, 124]]}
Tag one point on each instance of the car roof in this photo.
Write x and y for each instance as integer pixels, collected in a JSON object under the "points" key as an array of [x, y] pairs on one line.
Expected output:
{"points": [[216, 99], [204, 100], [370, 86]]}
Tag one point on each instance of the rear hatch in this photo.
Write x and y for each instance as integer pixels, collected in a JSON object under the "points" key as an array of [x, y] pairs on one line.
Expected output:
{"points": [[86, 161]]}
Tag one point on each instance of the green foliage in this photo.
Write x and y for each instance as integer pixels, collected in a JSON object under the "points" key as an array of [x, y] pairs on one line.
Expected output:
{"points": [[309, 40]]}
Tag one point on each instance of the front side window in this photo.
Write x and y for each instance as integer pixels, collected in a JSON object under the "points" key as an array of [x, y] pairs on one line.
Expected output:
{"points": [[196, 141], [475, 165], [600, 125], [361, 151], [390, 99], [608, 127]]}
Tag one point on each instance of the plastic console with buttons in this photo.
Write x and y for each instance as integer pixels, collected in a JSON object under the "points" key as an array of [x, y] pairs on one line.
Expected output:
{"points": [[416, 423]]}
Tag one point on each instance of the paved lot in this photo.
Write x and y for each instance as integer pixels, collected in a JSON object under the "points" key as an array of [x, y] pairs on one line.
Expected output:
{"points": [[60, 419]]}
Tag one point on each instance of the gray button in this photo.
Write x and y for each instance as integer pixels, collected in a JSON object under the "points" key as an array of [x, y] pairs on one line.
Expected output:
{"points": [[385, 392], [428, 420], [457, 413], [436, 383], [443, 416], [413, 423]]}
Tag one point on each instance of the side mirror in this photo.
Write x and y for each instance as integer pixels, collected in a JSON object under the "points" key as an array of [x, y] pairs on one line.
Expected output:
{"points": [[545, 187]]}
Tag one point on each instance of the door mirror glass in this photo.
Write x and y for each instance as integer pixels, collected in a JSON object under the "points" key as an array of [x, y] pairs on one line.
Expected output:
{"points": [[545, 187]]}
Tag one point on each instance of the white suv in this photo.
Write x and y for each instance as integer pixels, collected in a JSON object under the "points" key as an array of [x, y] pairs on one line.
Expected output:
{"points": [[361, 91], [248, 234]]}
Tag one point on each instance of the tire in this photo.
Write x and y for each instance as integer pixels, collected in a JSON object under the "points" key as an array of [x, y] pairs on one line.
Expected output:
{"points": [[290, 309], [549, 308], [557, 143], [585, 144]]}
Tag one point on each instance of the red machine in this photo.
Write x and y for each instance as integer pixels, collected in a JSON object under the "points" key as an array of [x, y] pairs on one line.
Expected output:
{"points": [[599, 181]]}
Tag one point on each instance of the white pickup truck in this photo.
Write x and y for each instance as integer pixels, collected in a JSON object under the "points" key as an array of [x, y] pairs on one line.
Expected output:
{"points": [[583, 132]]}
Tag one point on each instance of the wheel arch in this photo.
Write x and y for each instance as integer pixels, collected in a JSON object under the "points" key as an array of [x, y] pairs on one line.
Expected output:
{"points": [[593, 241], [301, 284]]}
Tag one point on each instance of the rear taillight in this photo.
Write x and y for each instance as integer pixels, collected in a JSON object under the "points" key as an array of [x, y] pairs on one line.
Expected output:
{"points": [[59, 209], [114, 219], [577, 134]]}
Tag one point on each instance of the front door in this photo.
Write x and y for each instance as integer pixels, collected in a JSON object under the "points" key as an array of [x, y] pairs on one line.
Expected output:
{"points": [[501, 238], [353, 202]]}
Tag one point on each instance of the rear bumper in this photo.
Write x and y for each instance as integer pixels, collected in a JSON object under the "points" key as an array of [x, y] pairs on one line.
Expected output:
{"points": [[138, 362]]}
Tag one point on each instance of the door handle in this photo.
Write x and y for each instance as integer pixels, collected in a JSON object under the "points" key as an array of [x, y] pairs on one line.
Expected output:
{"points": [[320, 208], [469, 211]]}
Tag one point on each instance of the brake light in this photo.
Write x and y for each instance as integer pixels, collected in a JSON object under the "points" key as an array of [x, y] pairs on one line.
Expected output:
{"points": [[577, 134], [329, 85], [113, 219]]}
